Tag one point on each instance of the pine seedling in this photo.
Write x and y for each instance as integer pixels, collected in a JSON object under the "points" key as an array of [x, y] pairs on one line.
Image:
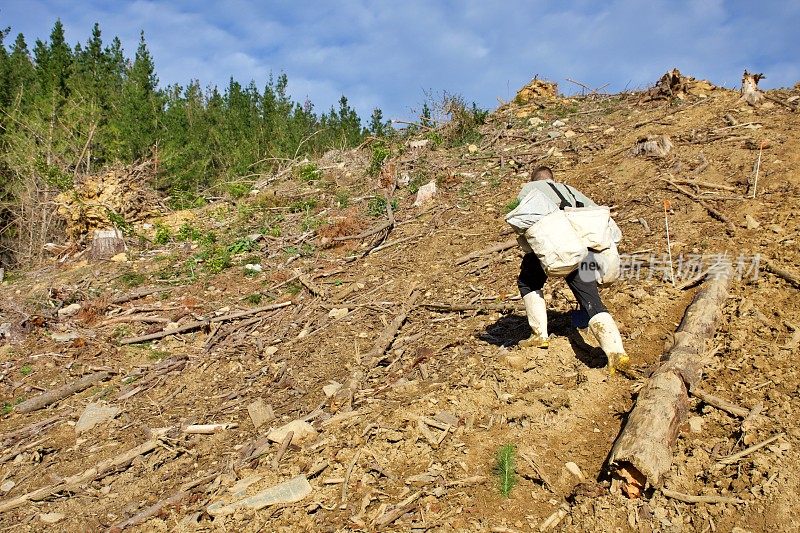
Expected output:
{"points": [[505, 469]]}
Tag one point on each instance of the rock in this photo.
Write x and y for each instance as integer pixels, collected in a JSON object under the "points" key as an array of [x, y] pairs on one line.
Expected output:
{"points": [[472, 148], [120, 258], [517, 362], [558, 124], [696, 424], [303, 432], [51, 518], [66, 336], [70, 310], [569, 134], [554, 134], [536, 89], [419, 144], [776, 228], [94, 414], [425, 193], [331, 389], [255, 237], [5, 329], [253, 267], [270, 351], [260, 413], [446, 417], [290, 491], [7, 486], [535, 121], [404, 179], [338, 312], [609, 131], [750, 222], [575, 470]]}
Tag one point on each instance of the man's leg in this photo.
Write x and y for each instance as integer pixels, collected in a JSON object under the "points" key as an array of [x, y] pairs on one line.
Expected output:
{"points": [[601, 323], [530, 282]]}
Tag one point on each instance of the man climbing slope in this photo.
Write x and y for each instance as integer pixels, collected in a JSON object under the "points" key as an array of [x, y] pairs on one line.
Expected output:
{"points": [[532, 278]]}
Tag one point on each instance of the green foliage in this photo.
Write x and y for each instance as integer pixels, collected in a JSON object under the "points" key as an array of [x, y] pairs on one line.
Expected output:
{"points": [[241, 246], [380, 152], [254, 299], [377, 206], [187, 232], [163, 234], [511, 205], [464, 121], [342, 199], [308, 172], [119, 221], [26, 370], [303, 205], [310, 222], [505, 469], [294, 288], [417, 181], [238, 190], [132, 279]]}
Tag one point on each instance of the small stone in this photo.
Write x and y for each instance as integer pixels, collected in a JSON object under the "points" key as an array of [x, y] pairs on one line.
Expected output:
{"points": [[253, 267], [696, 424], [290, 491], [425, 193], [332, 388], [121, 257], [70, 310], [517, 362], [270, 350], [569, 134], [51, 518], [472, 148], [255, 237], [609, 131], [535, 121], [750, 222], [554, 134], [64, 337], [260, 413], [776, 228], [419, 144], [93, 415], [446, 417], [559, 124], [338, 312], [7, 486], [575, 470], [303, 431]]}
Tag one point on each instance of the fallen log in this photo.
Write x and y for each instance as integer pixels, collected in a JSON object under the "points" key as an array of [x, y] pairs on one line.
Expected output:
{"points": [[642, 454], [50, 397], [201, 323], [72, 483], [505, 245]]}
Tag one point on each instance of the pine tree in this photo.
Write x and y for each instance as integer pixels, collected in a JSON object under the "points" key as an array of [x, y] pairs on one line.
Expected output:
{"points": [[140, 107], [377, 127]]}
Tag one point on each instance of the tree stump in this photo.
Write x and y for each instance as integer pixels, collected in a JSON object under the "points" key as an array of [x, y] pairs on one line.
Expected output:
{"points": [[643, 451], [106, 243], [750, 92]]}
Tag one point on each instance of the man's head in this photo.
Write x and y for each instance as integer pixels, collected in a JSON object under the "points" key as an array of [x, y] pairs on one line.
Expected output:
{"points": [[541, 173]]}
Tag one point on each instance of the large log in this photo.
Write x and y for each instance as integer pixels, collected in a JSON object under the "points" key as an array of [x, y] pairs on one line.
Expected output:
{"points": [[643, 451]]}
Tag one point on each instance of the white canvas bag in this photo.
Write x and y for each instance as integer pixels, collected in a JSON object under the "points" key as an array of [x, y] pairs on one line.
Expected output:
{"points": [[591, 223], [554, 241]]}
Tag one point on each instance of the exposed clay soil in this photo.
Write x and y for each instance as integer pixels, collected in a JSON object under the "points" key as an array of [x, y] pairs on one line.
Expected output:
{"points": [[558, 406]]}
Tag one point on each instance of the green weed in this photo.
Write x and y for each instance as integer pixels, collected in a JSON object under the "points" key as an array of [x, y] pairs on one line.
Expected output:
{"points": [[380, 153], [132, 279], [511, 205], [298, 206], [163, 234], [377, 206], [26, 370], [255, 298], [308, 172], [504, 469]]}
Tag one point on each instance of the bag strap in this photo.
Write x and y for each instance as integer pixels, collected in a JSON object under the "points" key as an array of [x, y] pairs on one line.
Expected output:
{"points": [[569, 190], [564, 201]]}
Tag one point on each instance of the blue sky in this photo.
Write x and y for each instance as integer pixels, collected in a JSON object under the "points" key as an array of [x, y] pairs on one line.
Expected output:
{"points": [[389, 54]]}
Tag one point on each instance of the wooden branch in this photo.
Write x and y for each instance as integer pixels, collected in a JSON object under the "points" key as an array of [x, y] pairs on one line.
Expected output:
{"points": [[146, 514], [287, 440], [147, 319], [385, 339], [312, 287], [369, 233], [135, 295], [731, 228], [643, 451], [731, 459], [720, 403], [665, 115], [55, 395], [36, 428], [73, 483], [706, 184], [505, 245], [781, 272], [689, 498], [402, 508], [201, 323]]}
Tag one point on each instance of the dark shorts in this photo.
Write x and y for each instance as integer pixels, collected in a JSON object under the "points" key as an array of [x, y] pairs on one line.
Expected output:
{"points": [[532, 278]]}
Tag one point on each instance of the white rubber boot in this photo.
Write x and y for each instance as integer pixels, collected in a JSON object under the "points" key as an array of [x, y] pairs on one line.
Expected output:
{"points": [[607, 333], [536, 311]]}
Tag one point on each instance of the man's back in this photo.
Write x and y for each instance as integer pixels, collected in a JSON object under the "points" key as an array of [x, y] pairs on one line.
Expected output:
{"points": [[571, 194]]}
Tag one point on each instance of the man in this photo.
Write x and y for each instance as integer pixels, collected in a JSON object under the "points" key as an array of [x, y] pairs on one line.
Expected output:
{"points": [[532, 278]]}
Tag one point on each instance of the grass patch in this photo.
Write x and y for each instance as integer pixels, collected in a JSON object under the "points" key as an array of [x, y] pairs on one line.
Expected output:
{"points": [[254, 299], [505, 470], [132, 279], [377, 206], [26, 370], [511, 205], [308, 172]]}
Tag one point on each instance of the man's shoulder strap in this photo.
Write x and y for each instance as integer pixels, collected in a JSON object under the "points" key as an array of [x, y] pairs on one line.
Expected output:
{"points": [[564, 201]]}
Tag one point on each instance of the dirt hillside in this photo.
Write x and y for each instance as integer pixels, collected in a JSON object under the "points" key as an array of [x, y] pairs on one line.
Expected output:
{"points": [[399, 428]]}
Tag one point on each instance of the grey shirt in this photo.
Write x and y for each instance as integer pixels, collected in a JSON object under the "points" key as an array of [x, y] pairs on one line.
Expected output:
{"points": [[542, 186]]}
